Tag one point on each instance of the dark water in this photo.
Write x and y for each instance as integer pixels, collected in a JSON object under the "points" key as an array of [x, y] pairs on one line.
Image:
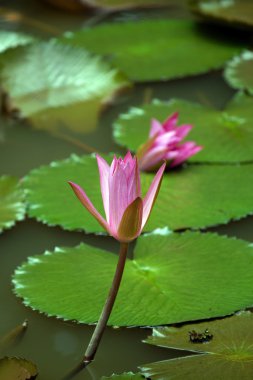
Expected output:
{"points": [[56, 346]]}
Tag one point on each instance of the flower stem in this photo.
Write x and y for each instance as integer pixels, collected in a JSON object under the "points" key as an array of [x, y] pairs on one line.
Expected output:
{"points": [[106, 312]]}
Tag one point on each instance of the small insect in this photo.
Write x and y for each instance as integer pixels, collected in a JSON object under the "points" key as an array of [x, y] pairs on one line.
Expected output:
{"points": [[204, 337]]}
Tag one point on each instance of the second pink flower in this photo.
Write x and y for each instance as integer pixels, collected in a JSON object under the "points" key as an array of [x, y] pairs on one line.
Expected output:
{"points": [[165, 144]]}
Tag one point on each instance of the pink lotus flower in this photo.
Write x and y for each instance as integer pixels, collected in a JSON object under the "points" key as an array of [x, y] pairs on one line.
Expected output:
{"points": [[165, 144], [126, 212]]}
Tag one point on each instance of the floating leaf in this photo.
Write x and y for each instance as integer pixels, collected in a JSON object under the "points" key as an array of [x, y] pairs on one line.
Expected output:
{"points": [[239, 109], [12, 207], [125, 376], [172, 278], [58, 86], [225, 136], [228, 355], [70, 120], [239, 71], [196, 196], [10, 39], [233, 12], [165, 55], [125, 4], [17, 369]]}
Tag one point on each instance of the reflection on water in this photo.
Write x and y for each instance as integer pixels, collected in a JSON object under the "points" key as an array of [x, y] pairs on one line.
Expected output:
{"points": [[242, 229], [65, 343], [56, 346]]}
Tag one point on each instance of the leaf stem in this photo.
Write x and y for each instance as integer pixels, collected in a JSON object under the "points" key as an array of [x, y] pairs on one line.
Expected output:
{"points": [[14, 336], [106, 312], [76, 142]]}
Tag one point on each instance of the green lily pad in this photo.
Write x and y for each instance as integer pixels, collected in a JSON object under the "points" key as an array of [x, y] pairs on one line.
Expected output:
{"points": [[241, 108], [12, 207], [164, 56], [239, 71], [233, 12], [197, 196], [17, 369], [9, 39], [66, 87], [226, 136], [124, 376], [228, 355], [171, 278]]}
